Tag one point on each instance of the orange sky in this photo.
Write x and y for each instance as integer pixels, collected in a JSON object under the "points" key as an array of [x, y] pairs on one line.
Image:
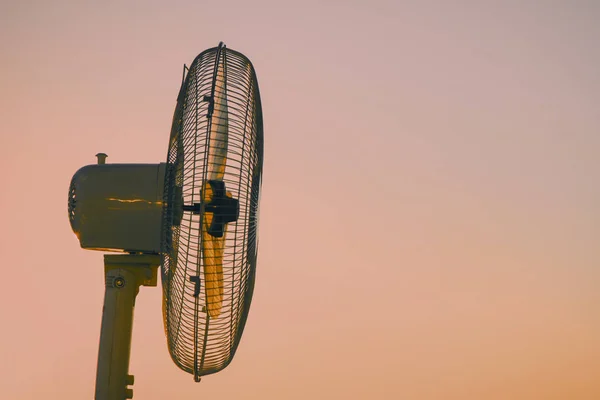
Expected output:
{"points": [[429, 218]]}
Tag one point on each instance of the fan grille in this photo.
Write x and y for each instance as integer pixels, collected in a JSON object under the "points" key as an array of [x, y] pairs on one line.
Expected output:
{"points": [[197, 343]]}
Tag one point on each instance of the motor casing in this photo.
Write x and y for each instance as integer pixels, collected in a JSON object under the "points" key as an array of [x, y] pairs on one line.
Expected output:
{"points": [[118, 207]]}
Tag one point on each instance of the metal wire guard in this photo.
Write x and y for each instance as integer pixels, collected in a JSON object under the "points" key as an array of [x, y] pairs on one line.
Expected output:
{"points": [[208, 281]]}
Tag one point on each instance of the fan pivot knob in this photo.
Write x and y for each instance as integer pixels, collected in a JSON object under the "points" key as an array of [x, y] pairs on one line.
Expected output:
{"points": [[101, 158]]}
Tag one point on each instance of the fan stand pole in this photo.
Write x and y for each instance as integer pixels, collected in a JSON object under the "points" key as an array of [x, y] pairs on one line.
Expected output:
{"points": [[124, 275]]}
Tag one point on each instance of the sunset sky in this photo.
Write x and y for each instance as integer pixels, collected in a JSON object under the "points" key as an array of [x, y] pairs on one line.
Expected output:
{"points": [[430, 218]]}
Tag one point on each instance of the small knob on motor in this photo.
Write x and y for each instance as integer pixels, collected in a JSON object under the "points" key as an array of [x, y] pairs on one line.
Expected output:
{"points": [[101, 158]]}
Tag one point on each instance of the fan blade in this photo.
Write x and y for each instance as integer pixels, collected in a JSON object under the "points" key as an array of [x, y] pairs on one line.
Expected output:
{"points": [[217, 151], [212, 252], [213, 247]]}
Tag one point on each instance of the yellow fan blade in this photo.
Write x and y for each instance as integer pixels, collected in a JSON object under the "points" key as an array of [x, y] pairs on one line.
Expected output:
{"points": [[217, 151]]}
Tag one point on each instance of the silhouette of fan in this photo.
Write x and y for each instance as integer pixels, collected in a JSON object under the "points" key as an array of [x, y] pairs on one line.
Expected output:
{"points": [[195, 215]]}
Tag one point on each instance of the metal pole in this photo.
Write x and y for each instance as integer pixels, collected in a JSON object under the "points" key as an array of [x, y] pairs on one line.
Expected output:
{"points": [[124, 274]]}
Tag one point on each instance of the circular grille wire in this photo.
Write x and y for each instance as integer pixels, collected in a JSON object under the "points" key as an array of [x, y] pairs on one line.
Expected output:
{"points": [[199, 343]]}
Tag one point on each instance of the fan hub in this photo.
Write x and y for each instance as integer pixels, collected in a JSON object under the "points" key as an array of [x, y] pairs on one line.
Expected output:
{"points": [[223, 206]]}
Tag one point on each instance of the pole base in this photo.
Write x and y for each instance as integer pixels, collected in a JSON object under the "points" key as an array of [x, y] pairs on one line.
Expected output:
{"points": [[124, 274]]}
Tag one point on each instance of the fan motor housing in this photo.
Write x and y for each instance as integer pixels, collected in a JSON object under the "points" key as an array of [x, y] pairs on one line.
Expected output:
{"points": [[118, 207]]}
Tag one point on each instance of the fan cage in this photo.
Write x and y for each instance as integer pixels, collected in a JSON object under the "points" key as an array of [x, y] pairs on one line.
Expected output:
{"points": [[198, 343]]}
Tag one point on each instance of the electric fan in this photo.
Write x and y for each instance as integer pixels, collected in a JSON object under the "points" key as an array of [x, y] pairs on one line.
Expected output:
{"points": [[195, 216]]}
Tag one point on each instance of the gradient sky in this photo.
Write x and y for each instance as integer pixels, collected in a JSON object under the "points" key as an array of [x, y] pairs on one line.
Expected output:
{"points": [[429, 218]]}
